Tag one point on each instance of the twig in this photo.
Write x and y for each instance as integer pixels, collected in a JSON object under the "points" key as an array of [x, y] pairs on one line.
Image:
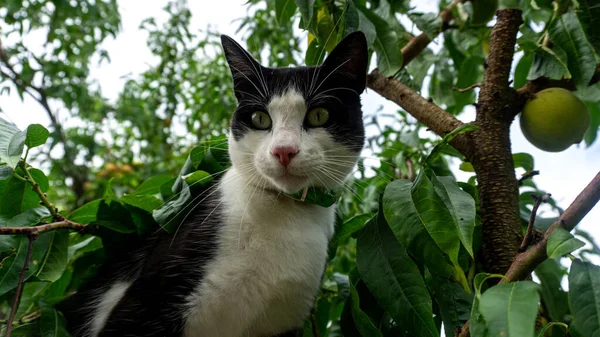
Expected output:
{"points": [[471, 87], [15, 303], [36, 188], [64, 224], [528, 235], [417, 44], [528, 175]]}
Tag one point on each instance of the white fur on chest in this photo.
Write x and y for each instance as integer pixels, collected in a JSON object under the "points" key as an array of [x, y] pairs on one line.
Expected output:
{"points": [[268, 268]]}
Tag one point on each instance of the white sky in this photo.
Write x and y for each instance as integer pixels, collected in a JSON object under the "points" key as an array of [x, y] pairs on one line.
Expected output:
{"points": [[563, 174]]}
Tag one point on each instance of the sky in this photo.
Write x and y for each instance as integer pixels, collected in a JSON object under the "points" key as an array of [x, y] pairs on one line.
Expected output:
{"points": [[563, 174]]}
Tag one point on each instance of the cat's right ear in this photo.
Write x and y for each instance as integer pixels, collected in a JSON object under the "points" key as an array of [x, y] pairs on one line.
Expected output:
{"points": [[245, 70]]}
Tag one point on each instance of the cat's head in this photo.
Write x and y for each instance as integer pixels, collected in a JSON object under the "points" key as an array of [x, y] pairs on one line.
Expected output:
{"points": [[298, 127]]}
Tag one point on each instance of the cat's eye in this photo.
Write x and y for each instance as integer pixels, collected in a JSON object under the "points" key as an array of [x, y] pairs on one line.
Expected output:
{"points": [[261, 120], [317, 117]]}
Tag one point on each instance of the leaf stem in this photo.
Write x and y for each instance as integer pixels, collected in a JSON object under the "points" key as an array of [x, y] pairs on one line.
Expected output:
{"points": [[36, 188]]}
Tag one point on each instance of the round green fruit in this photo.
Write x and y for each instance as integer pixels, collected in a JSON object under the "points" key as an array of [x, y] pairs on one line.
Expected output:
{"points": [[483, 11], [554, 119]]}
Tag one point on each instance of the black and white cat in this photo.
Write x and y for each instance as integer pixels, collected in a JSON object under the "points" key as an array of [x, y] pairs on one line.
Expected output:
{"points": [[249, 260]]}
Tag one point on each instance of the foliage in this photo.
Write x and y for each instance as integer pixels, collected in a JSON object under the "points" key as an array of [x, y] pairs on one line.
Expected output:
{"points": [[403, 260]]}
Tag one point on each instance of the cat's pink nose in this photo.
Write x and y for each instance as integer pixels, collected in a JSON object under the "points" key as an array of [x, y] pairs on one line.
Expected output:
{"points": [[285, 154]]}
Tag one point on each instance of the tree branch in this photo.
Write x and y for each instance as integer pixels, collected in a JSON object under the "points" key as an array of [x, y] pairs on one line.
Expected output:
{"points": [[15, 304], [416, 45], [35, 230], [492, 157], [525, 263]]}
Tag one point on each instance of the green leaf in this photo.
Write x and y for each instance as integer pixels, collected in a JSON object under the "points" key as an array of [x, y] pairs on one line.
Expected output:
{"points": [[555, 300], [389, 55], [522, 70], [566, 32], [471, 72], [145, 202], [356, 20], [201, 178], [306, 9], [362, 321], [36, 135], [52, 322], [347, 229], [510, 309], [315, 53], [284, 10], [12, 141], [589, 17], [30, 217], [10, 269], [524, 160], [452, 300], [543, 330], [394, 279], [40, 178], [428, 23], [461, 206], [591, 133], [411, 230], [52, 266], [86, 213], [584, 298], [561, 242], [16, 196], [547, 63], [152, 185], [5, 172]]}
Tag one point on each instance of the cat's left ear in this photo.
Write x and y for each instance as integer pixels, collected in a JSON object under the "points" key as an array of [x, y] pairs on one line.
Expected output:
{"points": [[244, 68], [350, 58]]}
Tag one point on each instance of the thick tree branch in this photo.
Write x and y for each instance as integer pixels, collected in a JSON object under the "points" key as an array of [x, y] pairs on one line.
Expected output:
{"points": [[15, 304], [434, 117], [492, 157], [526, 262]]}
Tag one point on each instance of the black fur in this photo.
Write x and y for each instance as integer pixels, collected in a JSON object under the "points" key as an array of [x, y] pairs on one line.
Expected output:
{"points": [[165, 270]]}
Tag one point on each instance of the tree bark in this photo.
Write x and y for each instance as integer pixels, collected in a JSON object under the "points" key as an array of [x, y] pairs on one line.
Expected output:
{"points": [[492, 156]]}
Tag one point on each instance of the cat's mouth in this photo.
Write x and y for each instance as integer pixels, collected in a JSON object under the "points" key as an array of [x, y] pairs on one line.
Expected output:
{"points": [[291, 183]]}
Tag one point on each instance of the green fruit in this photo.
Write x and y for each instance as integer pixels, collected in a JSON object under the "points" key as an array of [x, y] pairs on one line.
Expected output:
{"points": [[554, 119], [483, 11]]}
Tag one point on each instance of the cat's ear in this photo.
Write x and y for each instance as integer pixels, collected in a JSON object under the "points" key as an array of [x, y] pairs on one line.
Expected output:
{"points": [[245, 70], [350, 58]]}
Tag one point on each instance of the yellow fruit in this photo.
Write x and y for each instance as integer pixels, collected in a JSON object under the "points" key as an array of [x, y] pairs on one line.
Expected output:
{"points": [[483, 11], [554, 119], [110, 167], [126, 168]]}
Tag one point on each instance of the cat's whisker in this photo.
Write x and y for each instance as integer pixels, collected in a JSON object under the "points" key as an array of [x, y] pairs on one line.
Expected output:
{"points": [[330, 73], [263, 95], [212, 189], [246, 208]]}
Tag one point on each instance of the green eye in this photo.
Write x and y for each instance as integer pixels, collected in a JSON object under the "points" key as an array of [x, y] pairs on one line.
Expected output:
{"points": [[261, 120], [317, 117]]}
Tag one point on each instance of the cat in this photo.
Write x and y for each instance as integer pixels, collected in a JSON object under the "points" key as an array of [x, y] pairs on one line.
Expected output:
{"points": [[249, 260]]}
